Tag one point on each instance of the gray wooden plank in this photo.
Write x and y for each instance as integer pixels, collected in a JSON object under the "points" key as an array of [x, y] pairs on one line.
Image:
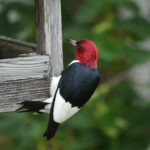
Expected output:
{"points": [[12, 93], [49, 32], [23, 68], [21, 79], [10, 47]]}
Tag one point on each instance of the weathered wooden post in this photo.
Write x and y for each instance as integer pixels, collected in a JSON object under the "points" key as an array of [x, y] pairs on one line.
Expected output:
{"points": [[49, 32], [23, 78]]}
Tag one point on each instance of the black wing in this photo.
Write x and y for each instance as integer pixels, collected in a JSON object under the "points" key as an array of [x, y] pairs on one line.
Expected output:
{"points": [[78, 83]]}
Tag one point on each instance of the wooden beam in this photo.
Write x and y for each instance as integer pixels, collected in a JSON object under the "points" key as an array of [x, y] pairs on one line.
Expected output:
{"points": [[23, 68], [49, 32], [15, 92], [21, 79], [10, 48]]}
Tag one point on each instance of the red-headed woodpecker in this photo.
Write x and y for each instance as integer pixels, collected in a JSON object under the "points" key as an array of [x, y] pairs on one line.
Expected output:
{"points": [[71, 90]]}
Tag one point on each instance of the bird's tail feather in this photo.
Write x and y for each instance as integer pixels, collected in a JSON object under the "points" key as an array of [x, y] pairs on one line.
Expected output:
{"points": [[51, 130], [31, 106]]}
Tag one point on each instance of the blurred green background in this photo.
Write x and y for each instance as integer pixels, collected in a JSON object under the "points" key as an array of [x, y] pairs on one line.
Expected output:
{"points": [[118, 115]]}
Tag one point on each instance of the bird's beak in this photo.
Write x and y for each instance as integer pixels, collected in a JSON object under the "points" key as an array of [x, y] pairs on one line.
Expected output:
{"points": [[72, 42]]}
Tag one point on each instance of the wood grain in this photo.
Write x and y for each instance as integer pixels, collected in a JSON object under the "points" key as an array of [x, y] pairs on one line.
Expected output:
{"points": [[14, 92], [23, 68], [49, 32], [10, 48], [21, 79], [24, 78]]}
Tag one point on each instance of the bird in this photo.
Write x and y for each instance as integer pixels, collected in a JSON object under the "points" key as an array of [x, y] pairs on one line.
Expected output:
{"points": [[70, 90]]}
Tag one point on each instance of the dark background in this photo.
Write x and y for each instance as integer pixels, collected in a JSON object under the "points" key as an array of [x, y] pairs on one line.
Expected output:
{"points": [[118, 115]]}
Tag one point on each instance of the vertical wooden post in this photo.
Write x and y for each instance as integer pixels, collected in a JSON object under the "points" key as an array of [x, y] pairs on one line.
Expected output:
{"points": [[49, 32]]}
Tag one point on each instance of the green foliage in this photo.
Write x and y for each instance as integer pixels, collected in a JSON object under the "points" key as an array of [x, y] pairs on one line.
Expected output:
{"points": [[116, 117], [17, 20], [137, 27]]}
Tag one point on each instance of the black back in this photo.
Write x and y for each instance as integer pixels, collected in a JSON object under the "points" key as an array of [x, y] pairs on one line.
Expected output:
{"points": [[78, 83]]}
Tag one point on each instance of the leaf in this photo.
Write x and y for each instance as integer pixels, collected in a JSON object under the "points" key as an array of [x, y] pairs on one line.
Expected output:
{"points": [[111, 49], [131, 5], [93, 8], [137, 55], [137, 27]]}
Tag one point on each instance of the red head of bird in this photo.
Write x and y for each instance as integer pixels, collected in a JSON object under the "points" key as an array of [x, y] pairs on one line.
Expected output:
{"points": [[86, 52]]}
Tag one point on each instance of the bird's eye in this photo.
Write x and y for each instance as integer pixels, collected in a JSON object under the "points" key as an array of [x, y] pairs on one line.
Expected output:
{"points": [[79, 46]]}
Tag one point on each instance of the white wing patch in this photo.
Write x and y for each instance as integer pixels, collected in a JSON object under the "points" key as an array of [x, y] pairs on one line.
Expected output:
{"points": [[53, 87], [62, 109], [54, 84]]}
